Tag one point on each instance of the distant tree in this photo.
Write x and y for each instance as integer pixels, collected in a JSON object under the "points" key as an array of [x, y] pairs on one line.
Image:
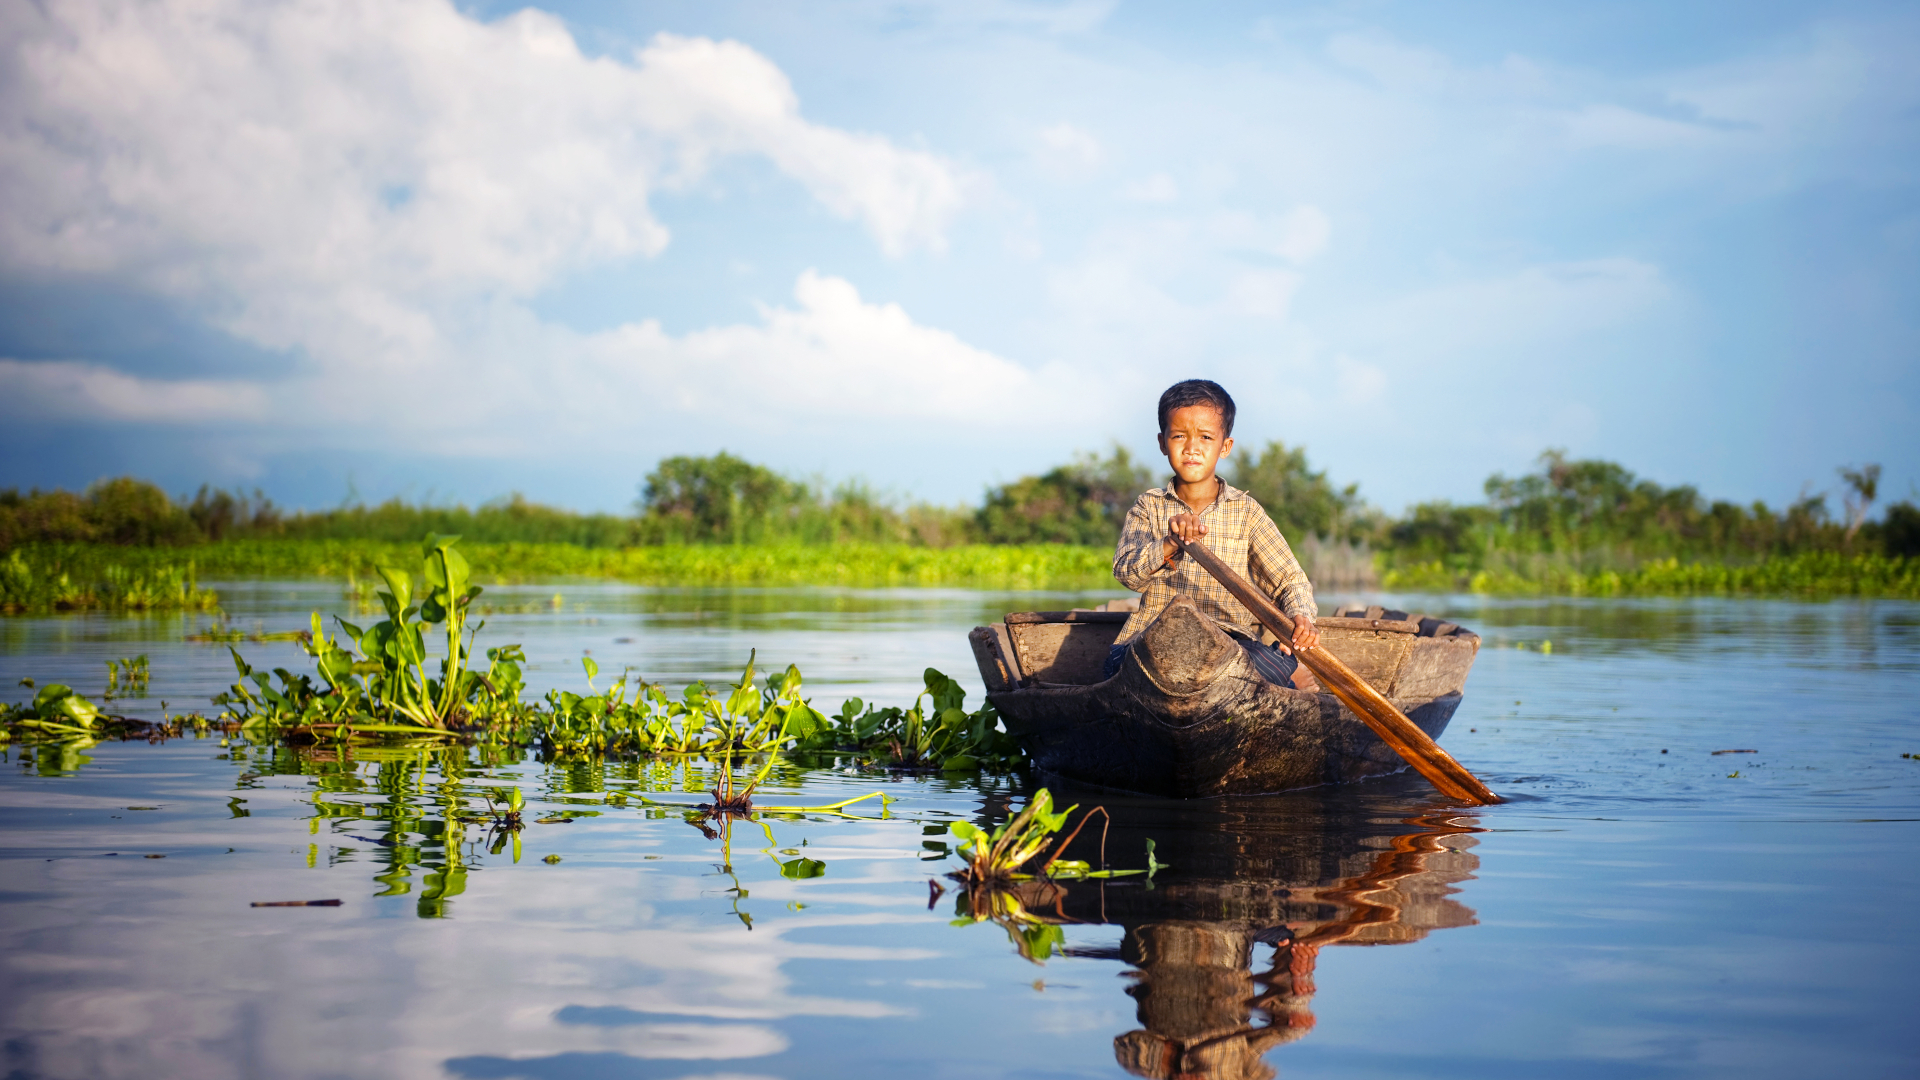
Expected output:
{"points": [[719, 499], [1900, 532], [49, 516], [219, 514], [1300, 501], [1442, 532], [1081, 503], [1864, 486], [129, 511]]}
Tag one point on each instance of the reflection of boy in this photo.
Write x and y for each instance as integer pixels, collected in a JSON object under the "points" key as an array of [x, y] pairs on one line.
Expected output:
{"points": [[1196, 431]]}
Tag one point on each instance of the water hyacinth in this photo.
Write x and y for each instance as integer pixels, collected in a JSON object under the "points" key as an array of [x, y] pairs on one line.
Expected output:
{"points": [[375, 683]]}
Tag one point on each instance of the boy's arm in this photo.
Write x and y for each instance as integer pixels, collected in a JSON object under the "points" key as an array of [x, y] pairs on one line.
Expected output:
{"points": [[1276, 572], [1140, 556]]}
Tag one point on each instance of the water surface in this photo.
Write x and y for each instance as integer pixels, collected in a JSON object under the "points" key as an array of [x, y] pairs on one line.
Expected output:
{"points": [[1628, 912]]}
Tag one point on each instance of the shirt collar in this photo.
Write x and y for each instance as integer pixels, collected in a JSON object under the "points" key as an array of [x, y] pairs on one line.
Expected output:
{"points": [[1228, 493]]}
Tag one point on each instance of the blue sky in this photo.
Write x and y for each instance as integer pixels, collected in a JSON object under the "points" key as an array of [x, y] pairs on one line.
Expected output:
{"points": [[450, 252]]}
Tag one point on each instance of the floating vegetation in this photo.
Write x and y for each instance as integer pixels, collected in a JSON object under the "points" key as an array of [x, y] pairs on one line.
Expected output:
{"points": [[127, 677], [1000, 856], [997, 884], [943, 735], [376, 686], [223, 633], [62, 723]]}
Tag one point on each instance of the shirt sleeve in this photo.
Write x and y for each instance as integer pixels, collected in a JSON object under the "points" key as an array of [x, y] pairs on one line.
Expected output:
{"points": [[1139, 558], [1276, 572]]}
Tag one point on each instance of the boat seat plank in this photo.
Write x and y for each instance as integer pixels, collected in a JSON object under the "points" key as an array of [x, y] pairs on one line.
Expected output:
{"points": [[1072, 652], [1374, 655], [1342, 622], [1027, 618]]}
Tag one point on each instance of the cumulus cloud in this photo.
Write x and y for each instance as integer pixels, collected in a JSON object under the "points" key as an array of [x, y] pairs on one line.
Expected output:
{"points": [[294, 163], [1299, 235], [835, 352], [377, 187], [1158, 188], [1263, 293], [196, 141], [1067, 152]]}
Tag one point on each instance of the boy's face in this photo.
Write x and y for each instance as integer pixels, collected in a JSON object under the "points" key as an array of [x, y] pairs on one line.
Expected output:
{"points": [[1195, 441]]}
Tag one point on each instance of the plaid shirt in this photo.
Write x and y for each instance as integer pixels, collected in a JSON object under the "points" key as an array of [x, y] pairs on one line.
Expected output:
{"points": [[1238, 530]]}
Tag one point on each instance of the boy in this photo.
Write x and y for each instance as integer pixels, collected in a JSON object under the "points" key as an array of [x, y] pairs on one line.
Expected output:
{"points": [[1196, 431]]}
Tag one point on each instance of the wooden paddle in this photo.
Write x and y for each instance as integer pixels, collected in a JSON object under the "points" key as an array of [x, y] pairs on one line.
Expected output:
{"points": [[1373, 709]]}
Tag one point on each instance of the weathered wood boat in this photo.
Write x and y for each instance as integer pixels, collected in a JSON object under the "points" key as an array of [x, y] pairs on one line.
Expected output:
{"points": [[1188, 715]]}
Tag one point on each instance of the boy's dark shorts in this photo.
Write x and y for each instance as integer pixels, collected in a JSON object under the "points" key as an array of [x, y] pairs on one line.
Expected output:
{"points": [[1272, 664]]}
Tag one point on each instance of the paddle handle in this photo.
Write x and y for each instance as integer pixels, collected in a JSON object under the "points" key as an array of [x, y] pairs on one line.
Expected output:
{"points": [[1374, 710]]}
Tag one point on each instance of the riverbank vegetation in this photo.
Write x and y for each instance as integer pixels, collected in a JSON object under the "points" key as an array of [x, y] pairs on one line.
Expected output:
{"points": [[1578, 527]]}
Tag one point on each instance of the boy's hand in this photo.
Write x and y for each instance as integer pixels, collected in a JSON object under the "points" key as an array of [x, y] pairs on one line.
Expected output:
{"points": [[1305, 635], [1186, 527]]}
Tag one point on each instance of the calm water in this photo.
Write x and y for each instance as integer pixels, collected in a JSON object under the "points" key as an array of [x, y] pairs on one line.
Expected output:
{"points": [[1639, 907]]}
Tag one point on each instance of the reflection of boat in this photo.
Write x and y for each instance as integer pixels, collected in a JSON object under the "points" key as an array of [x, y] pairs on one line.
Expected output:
{"points": [[1294, 874], [1189, 716]]}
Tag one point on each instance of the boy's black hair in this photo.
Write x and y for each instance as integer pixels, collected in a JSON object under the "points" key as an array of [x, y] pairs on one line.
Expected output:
{"points": [[1196, 392]]}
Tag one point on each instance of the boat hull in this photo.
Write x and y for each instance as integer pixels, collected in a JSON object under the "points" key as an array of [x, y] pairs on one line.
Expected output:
{"points": [[1188, 716]]}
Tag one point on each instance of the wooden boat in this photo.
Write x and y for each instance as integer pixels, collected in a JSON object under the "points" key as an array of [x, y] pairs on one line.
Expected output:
{"points": [[1188, 716]]}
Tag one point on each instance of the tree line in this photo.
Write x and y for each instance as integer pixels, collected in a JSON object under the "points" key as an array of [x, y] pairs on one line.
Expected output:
{"points": [[1583, 514]]}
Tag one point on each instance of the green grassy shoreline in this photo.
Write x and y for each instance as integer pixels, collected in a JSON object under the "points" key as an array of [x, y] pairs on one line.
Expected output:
{"points": [[1810, 575], [75, 576], [55, 577]]}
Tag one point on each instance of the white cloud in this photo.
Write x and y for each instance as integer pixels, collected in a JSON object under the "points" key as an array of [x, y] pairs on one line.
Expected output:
{"points": [[390, 191], [72, 389], [1158, 188], [1304, 232], [293, 165], [1360, 384], [1067, 152], [1397, 66], [1263, 293], [1612, 125], [1071, 17], [1535, 304], [1298, 236], [834, 354], [379, 187]]}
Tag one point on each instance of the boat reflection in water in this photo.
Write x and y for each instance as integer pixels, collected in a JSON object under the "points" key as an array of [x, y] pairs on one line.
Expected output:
{"points": [[1223, 947]]}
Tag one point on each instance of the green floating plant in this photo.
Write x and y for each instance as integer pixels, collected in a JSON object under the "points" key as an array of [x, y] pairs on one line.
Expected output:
{"points": [[1002, 854], [377, 686]]}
